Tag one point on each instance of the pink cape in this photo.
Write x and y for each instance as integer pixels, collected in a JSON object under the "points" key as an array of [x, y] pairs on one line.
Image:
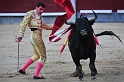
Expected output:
{"points": [[67, 5]]}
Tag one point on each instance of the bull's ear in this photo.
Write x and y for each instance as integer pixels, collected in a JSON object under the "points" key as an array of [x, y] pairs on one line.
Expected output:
{"points": [[93, 18]]}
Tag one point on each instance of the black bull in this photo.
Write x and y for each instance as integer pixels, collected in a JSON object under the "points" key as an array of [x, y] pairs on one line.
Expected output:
{"points": [[82, 44]]}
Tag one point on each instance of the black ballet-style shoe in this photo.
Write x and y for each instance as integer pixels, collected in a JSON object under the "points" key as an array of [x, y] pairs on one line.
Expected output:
{"points": [[35, 77], [20, 71]]}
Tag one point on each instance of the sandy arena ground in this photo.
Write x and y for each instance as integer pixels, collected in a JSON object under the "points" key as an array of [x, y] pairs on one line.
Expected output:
{"points": [[109, 61]]}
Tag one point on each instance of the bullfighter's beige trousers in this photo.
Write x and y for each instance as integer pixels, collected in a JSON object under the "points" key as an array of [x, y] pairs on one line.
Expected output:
{"points": [[38, 46]]}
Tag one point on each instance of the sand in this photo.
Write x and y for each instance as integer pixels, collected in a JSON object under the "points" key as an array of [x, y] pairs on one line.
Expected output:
{"points": [[57, 68]]}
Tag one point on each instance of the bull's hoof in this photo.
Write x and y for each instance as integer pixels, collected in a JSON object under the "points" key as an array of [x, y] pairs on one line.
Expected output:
{"points": [[81, 79], [93, 77]]}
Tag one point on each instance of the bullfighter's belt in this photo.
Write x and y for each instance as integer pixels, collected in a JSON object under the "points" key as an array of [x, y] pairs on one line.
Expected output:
{"points": [[33, 29]]}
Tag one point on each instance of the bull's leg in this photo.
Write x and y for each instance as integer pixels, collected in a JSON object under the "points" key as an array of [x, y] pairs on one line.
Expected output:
{"points": [[92, 66], [78, 66], [80, 74], [93, 71]]}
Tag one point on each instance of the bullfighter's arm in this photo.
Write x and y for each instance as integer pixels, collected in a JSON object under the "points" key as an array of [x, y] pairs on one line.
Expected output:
{"points": [[46, 27], [23, 24]]}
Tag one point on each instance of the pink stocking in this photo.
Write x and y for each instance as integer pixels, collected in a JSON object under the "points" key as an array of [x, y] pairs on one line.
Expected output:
{"points": [[29, 62], [38, 68]]}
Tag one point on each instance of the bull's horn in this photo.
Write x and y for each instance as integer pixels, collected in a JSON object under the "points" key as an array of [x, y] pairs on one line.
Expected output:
{"points": [[68, 23], [93, 18]]}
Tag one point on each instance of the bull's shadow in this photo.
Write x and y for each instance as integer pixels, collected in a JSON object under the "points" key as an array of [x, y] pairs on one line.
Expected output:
{"points": [[82, 43]]}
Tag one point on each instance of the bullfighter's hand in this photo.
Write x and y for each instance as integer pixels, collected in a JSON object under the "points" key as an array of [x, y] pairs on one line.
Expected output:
{"points": [[18, 39]]}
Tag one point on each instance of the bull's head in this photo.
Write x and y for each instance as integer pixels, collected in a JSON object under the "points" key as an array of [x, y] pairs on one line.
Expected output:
{"points": [[83, 24]]}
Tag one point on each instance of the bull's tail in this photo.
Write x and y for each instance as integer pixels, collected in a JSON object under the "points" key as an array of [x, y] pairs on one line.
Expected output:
{"points": [[108, 33]]}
